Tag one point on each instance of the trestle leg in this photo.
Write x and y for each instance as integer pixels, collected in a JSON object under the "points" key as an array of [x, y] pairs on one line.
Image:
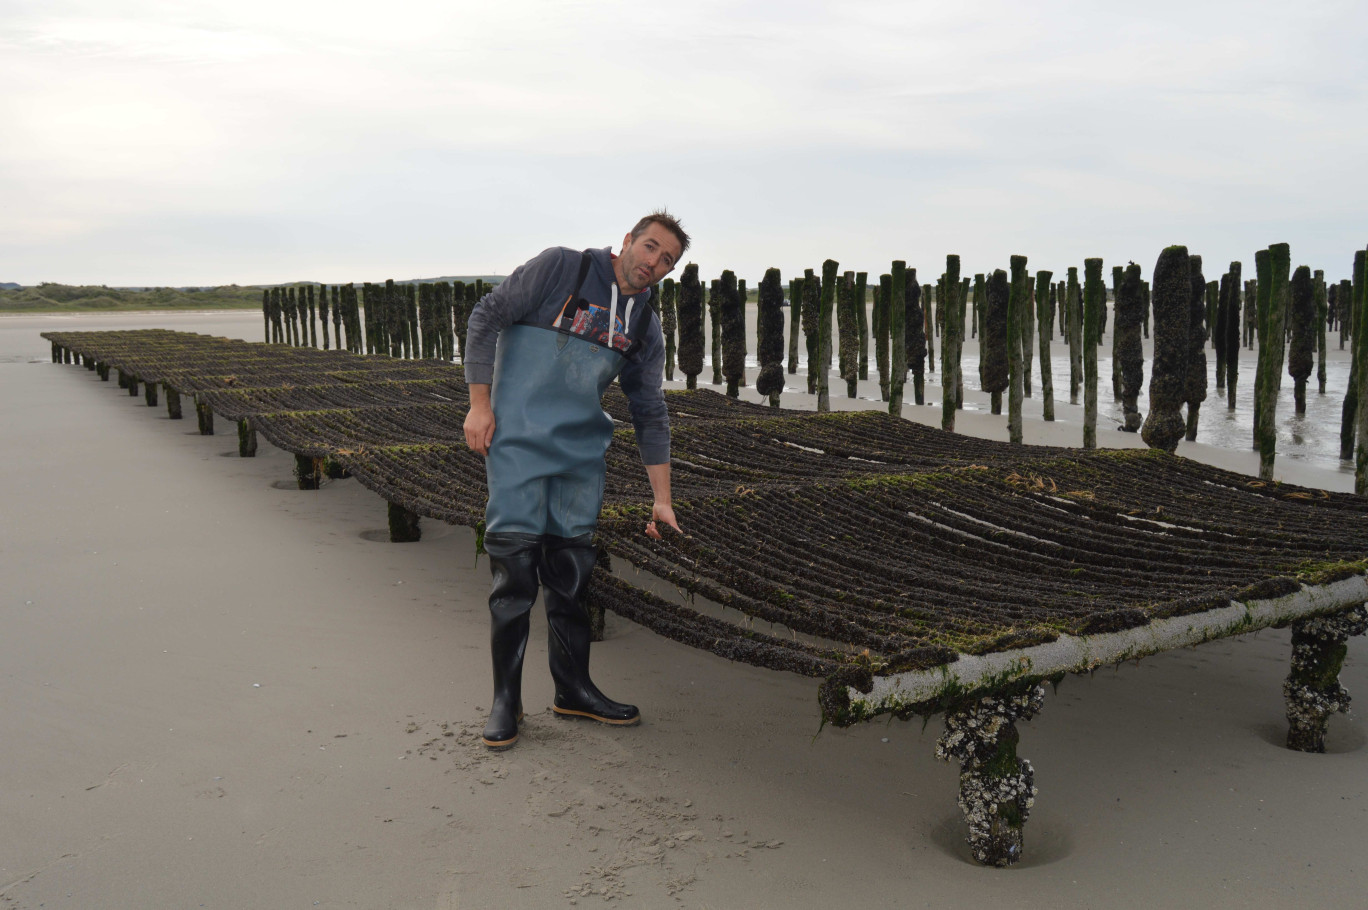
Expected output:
{"points": [[247, 439], [206, 417], [1313, 689], [403, 524], [997, 789], [308, 472]]}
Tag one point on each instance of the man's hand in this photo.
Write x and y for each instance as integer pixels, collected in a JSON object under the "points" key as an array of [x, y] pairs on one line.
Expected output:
{"points": [[661, 512], [479, 422]]}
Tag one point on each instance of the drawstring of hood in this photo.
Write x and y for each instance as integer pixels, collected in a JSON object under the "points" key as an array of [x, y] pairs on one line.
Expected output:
{"points": [[612, 315]]}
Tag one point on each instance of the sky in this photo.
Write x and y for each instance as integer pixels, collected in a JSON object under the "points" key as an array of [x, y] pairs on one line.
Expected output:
{"points": [[145, 142]]}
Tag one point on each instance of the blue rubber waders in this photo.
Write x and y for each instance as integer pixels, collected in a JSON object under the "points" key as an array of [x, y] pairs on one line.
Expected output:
{"points": [[546, 464]]}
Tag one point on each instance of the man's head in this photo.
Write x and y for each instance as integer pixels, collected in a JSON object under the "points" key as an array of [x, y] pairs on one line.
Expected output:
{"points": [[650, 251], [669, 223]]}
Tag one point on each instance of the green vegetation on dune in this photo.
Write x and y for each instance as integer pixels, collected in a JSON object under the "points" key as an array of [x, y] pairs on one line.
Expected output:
{"points": [[47, 298]]}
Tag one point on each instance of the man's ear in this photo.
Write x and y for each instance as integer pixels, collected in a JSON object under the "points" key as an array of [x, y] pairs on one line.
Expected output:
{"points": [[626, 240]]}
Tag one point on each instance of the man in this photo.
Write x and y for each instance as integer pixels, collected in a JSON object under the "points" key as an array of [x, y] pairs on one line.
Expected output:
{"points": [[542, 348]]}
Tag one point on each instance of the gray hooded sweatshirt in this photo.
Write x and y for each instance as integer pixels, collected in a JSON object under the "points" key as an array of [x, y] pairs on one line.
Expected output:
{"points": [[536, 292]]}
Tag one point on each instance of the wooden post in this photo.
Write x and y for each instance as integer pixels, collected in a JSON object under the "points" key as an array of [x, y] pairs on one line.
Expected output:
{"points": [[993, 335], [1349, 295], [952, 343], [928, 325], [1045, 331], [731, 307], [980, 307], [667, 324], [1232, 329], [1322, 312], [323, 315], [1346, 305], [1164, 425], [715, 324], [1301, 347], [848, 334], [916, 340], [1027, 328], [1274, 340], [811, 313], [829, 268], [770, 336], [1130, 352], [1074, 307], [1357, 380], [897, 336], [690, 326], [862, 320], [1018, 343], [1118, 273], [1195, 385], [1094, 300], [883, 292]]}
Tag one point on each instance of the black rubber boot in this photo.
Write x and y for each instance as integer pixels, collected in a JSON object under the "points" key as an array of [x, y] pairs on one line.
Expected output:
{"points": [[513, 561], [565, 569]]}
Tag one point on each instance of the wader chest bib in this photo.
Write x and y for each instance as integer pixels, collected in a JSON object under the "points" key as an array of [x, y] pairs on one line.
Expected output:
{"points": [[545, 466]]}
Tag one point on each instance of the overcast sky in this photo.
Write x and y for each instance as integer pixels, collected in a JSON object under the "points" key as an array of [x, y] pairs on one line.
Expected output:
{"points": [[194, 143]]}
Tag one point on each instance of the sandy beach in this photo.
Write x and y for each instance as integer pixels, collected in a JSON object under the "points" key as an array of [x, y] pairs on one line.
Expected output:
{"points": [[221, 691]]}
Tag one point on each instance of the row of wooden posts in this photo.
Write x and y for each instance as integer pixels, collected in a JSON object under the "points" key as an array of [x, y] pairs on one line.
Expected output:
{"points": [[1009, 312], [421, 320]]}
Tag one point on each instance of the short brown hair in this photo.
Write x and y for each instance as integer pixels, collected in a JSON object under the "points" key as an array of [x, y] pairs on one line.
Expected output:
{"points": [[668, 222]]}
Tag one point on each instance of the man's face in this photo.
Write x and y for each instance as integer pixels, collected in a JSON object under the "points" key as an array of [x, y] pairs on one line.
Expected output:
{"points": [[647, 259]]}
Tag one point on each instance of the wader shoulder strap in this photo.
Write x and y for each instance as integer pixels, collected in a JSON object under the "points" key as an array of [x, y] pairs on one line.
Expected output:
{"points": [[573, 302]]}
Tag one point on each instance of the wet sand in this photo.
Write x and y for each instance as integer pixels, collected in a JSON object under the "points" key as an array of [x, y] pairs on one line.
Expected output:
{"points": [[221, 691]]}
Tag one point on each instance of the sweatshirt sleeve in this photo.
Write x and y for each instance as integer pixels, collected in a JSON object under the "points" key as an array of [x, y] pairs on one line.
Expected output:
{"points": [[641, 382], [514, 298]]}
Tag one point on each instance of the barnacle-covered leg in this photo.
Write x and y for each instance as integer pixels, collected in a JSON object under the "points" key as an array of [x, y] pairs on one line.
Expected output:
{"points": [[1312, 689], [997, 789]]}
